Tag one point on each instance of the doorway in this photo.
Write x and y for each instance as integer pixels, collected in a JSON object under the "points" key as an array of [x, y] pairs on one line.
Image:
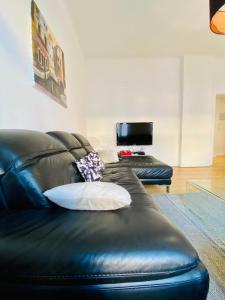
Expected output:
{"points": [[219, 132]]}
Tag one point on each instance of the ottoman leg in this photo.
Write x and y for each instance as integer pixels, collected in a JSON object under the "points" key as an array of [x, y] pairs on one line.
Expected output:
{"points": [[167, 188]]}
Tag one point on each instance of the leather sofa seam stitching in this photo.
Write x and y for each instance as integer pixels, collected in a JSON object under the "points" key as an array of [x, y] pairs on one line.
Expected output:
{"points": [[111, 275]]}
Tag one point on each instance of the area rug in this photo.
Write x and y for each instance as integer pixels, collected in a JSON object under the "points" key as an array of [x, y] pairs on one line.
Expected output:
{"points": [[201, 218]]}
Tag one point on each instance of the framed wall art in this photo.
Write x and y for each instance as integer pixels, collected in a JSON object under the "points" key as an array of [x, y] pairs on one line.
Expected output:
{"points": [[48, 59]]}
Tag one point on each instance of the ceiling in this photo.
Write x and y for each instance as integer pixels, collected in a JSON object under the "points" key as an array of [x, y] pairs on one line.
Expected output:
{"points": [[144, 28]]}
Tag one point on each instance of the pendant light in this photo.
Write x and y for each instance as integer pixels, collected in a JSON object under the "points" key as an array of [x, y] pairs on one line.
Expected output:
{"points": [[217, 16]]}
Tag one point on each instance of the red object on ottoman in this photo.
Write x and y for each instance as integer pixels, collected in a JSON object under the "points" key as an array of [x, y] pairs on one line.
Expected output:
{"points": [[125, 153]]}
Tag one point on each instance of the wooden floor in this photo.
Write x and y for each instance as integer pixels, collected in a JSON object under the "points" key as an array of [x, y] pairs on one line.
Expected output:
{"points": [[182, 175]]}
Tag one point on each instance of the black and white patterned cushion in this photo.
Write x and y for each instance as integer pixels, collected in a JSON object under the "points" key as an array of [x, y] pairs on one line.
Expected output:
{"points": [[96, 161], [90, 167]]}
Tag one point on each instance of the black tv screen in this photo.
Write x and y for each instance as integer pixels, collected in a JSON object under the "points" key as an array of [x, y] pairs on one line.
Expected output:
{"points": [[129, 134]]}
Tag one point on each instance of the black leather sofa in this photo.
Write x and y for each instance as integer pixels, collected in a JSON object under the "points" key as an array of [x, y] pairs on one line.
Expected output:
{"points": [[47, 252], [147, 168]]}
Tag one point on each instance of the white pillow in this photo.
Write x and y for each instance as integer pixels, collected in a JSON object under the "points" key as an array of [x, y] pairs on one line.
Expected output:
{"points": [[108, 156], [89, 196]]}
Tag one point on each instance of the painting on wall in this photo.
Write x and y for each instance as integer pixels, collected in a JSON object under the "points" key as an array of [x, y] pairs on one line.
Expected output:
{"points": [[48, 59]]}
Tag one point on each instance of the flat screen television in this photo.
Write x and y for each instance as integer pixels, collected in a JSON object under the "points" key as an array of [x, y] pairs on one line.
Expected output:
{"points": [[129, 134]]}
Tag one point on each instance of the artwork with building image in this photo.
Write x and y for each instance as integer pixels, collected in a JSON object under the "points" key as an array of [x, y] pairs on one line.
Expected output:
{"points": [[48, 59]]}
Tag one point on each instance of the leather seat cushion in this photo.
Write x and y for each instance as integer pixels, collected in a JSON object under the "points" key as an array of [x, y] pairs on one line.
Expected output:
{"points": [[59, 245], [127, 179], [146, 167], [124, 177]]}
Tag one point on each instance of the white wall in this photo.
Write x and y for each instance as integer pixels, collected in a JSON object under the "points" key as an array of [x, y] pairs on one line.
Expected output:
{"points": [[21, 105], [136, 90], [197, 112], [178, 95]]}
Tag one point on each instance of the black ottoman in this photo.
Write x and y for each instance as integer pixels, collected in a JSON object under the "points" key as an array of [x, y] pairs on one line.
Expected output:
{"points": [[147, 168]]}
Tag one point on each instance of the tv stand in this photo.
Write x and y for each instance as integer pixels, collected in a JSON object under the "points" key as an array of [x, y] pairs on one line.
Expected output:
{"points": [[139, 153]]}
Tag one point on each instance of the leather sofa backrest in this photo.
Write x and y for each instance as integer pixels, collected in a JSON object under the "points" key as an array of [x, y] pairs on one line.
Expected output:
{"points": [[30, 163], [84, 142], [76, 144]]}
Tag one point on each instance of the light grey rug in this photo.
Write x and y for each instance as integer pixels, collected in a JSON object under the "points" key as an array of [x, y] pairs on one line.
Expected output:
{"points": [[202, 220]]}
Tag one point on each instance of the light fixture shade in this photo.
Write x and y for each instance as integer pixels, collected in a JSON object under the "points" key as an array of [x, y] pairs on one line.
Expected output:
{"points": [[217, 16]]}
